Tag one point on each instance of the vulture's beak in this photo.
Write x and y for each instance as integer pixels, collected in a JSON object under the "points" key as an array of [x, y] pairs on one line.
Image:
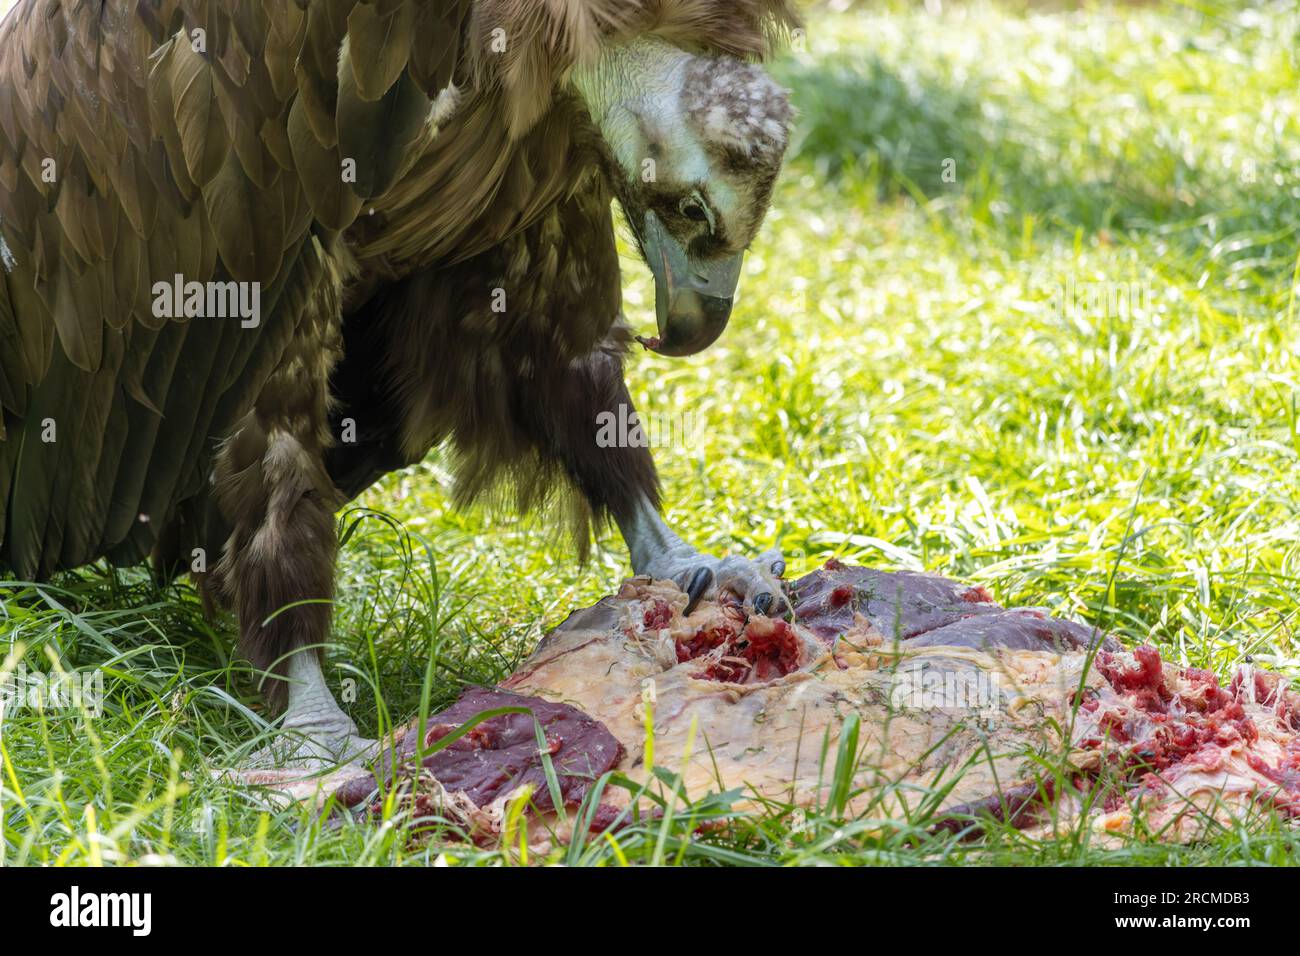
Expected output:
{"points": [[692, 296]]}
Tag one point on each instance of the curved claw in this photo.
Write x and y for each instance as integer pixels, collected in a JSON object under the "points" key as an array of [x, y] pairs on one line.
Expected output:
{"points": [[701, 582], [763, 603]]}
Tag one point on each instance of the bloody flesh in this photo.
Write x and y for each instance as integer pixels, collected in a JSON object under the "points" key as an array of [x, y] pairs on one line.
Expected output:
{"points": [[1140, 734], [758, 650], [1172, 721]]}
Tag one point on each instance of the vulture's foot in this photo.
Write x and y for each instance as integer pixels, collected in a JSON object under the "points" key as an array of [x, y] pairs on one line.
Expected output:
{"points": [[657, 551], [312, 743], [756, 581], [316, 742]]}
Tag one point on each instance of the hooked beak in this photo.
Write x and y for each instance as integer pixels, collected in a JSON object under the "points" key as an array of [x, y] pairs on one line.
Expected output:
{"points": [[692, 296]]}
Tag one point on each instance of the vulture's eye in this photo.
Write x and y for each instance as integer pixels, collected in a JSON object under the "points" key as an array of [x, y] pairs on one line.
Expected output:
{"points": [[693, 210]]}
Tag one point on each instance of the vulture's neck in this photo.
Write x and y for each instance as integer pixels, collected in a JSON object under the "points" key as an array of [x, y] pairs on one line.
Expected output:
{"points": [[632, 86]]}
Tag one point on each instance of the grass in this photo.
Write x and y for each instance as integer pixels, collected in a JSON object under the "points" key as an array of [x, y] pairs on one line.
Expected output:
{"points": [[901, 386]]}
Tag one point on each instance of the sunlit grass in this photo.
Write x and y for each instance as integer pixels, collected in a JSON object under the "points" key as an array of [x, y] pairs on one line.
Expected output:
{"points": [[899, 387]]}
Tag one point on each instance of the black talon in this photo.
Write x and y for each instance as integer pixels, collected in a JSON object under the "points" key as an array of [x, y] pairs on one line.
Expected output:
{"points": [[763, 603], [778, 567], [695, 590]]}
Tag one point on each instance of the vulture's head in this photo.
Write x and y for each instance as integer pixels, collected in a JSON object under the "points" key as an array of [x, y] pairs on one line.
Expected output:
{"points": [[693, 147]]}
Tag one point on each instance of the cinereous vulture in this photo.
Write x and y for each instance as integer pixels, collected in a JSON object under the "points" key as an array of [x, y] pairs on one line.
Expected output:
{"points": [[259, 253]]}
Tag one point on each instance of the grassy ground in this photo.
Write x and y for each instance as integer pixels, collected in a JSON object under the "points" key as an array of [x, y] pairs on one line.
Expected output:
{"points": [[901, 385]]}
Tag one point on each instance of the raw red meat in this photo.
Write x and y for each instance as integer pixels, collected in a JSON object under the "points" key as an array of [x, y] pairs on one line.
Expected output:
{"points": [[1173, 724], [926, 611], [500, 755]]}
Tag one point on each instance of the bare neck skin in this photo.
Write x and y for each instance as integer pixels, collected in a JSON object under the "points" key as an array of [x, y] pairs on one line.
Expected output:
{"points": [[635, 87]]}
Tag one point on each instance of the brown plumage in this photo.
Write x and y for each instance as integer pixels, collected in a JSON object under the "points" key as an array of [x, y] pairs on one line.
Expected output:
{"points": [[146, 139]]}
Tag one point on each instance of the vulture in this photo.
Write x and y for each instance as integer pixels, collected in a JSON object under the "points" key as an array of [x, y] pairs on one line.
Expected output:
{"points": [[256, 254]]}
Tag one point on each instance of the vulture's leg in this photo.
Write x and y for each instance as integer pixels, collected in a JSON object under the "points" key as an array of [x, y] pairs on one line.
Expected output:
{"points": [[620, 481], [315, 727], [277, 568]]}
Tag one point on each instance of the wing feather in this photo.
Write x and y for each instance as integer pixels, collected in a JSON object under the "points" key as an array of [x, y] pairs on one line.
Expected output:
{"points": [[13, 370], [379, 135], [316, 68], [435, 42], [162, 112], [68, 526], [379, 45], [37, 465], [200, 126], [34, 323], [247, 222], [83, 525], [77, 317], [141, 432]]}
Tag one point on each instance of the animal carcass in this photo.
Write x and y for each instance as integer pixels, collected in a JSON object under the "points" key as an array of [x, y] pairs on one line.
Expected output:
{"points": [[961, 710]]}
